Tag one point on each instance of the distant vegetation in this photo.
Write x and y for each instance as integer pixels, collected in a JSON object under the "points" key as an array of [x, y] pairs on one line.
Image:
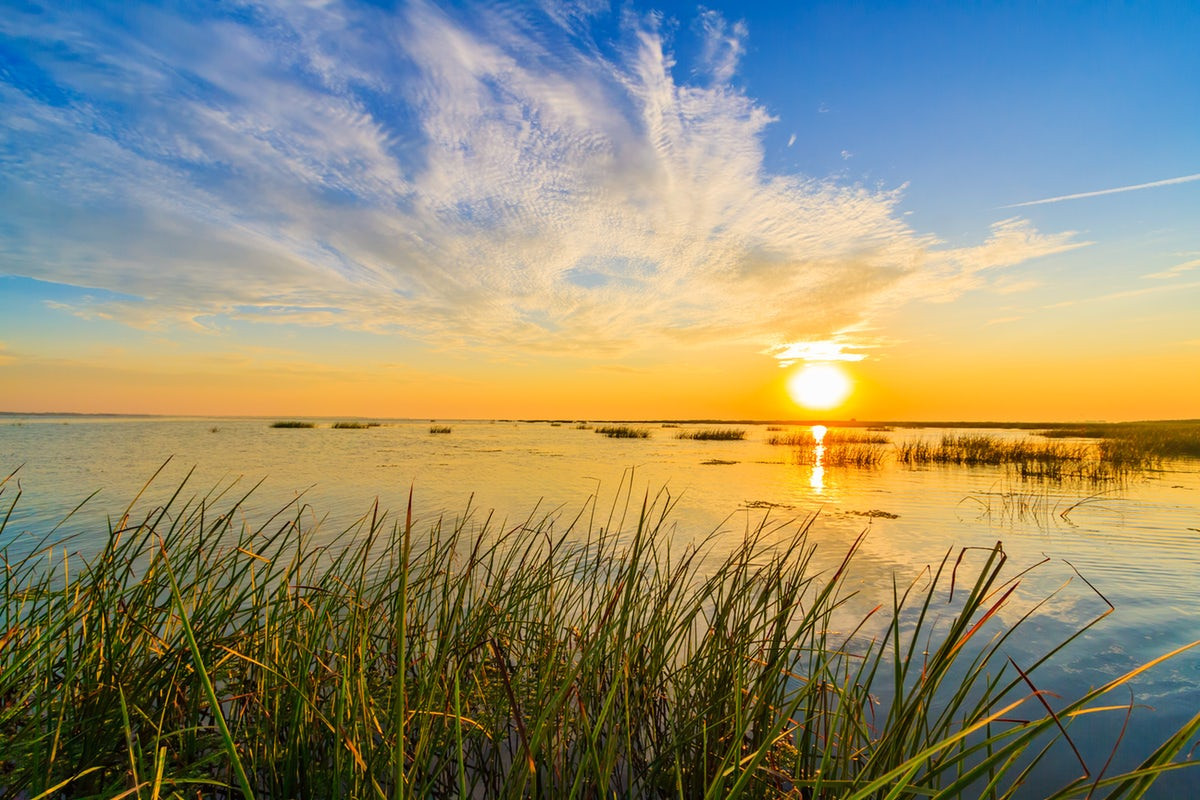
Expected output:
{"points": [[623, 432], [293, 424], [833, 437], [355, 426], [529, 661], [440, 429], [1162, 439], [713, 434]]}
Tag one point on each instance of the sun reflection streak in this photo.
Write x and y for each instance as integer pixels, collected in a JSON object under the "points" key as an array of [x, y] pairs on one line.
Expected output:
{"points": [[817, 480]]}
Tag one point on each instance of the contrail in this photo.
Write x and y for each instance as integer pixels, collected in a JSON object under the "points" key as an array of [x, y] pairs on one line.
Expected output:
{"points": [[1151, 185]]}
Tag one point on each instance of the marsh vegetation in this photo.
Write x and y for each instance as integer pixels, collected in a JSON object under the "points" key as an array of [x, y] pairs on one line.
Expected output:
{"points": [[623, 432], [200, 654]]}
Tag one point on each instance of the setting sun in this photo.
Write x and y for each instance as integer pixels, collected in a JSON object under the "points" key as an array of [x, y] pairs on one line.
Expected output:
{"points": [[819, 386]]}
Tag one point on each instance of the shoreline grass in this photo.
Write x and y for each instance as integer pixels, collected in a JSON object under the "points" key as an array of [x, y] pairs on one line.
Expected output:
{"points": [[198, 655]]}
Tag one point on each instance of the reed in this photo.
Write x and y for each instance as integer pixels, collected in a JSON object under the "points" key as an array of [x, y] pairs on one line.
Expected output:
{"points": [[292, 423], [862, 456], [200, 655], [354, 426], [713, 434], [623, 432], [440, 429]]}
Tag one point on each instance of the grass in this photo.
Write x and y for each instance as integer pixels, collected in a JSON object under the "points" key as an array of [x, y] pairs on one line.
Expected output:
{"points": [[1139, 440], [354, 426], [1109, 460], [834, 437], [713, 434], [292, 423], [860, 455], [196, 655], [623, 432], [440, 429]]}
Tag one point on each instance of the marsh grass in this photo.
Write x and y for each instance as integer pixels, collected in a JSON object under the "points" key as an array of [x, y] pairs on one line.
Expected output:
{"points": [[713, 434], [831, 438], [440, 429], [861, 455], [354, 426], [292, 423], [1139, 440], [623, 432], [198, 654], [1108, 460]]}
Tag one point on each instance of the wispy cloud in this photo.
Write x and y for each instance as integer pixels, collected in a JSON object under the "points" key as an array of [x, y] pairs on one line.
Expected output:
{"points": [[1175, 271], [1122, 295], [495, 177], [1118, 190]]}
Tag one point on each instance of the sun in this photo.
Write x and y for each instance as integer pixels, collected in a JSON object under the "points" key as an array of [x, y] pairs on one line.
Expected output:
{"points": [[819, 386]]}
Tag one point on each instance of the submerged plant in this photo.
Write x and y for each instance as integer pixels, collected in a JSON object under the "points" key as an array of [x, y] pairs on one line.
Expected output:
{"points": [[194, 655]]}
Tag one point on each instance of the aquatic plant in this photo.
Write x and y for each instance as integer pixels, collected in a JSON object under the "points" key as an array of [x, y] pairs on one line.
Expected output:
{"points": [[293, 424], [862, 456], [623, 432], [713, 434], [354, 426], [200, 655], [440, 429]]}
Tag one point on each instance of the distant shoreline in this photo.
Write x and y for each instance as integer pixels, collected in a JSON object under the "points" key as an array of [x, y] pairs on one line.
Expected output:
{"points": [[843, 423]]}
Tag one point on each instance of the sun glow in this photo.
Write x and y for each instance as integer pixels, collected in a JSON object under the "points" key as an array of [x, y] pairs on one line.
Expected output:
{"points": [[819, 386]]}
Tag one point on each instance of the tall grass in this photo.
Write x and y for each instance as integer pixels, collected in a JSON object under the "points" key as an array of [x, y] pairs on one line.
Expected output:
{"points": [[198, 656], [1145, 440], [293, 424], [713, 434], [623, 432], [1050, 460], [354, 426], [834, 437], [440, 429]]}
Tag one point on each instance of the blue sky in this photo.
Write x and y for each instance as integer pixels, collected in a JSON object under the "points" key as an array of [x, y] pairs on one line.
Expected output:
{"points": [[422, 189]]}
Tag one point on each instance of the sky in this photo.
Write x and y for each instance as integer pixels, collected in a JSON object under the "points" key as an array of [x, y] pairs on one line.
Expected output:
{"points": [[584, 210]]}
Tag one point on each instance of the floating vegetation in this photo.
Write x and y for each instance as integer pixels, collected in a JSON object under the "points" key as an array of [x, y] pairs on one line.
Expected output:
{"points": [[243, 659], [292, 423], [717, 462], [623, 432], [440, 429], [713, 434], [875, 513]]}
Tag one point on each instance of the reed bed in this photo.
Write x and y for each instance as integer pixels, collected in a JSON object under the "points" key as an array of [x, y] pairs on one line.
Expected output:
{"points": [[440, 429], [713, 434], [1140, 440], [354, 426], [623, 432], [862, 456], [196, 656], [292, 423], [1109, 460], [805, 438]]}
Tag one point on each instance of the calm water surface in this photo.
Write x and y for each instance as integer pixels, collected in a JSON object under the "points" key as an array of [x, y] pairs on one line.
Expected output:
{"points": [[1138, 544]]}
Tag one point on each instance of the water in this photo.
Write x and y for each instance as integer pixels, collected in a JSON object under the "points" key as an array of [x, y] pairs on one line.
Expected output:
{"points": [[1138, 544]]}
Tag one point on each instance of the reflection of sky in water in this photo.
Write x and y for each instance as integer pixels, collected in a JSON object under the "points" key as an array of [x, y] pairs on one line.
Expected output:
{"points": [[1138, 545]]}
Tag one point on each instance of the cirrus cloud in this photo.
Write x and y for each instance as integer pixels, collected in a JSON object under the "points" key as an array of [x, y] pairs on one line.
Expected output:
{"points": [[497, 177]]}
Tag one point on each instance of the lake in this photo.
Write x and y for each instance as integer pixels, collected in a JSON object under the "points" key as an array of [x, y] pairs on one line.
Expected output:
{"points": [[1135, 542]]}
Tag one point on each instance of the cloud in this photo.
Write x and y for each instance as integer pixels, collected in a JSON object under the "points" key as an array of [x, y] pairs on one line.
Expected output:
{"points": [[499, 178], [1175, 271], [1118, 190], [1122, 295]]}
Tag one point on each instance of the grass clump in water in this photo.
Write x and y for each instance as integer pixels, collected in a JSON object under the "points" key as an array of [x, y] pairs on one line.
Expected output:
{"points": [[623, 432], [194, 655], [440, 429], [293, 423], [354, 426], [713, 434]]}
